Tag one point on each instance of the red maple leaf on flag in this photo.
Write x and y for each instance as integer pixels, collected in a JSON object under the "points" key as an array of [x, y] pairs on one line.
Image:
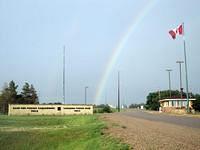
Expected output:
{"points": [[176, 31]]}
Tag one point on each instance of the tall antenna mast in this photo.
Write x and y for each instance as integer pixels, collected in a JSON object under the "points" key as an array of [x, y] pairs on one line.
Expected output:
{"points": [[64, 74]]}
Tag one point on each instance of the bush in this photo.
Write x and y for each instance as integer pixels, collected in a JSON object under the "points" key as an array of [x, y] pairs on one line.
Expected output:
{"points": [[196, 103], [107, 109], [102, 109]]}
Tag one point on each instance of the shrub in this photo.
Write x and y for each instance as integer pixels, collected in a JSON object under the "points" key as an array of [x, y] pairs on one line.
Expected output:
{"points": [[102, 109], [107, 109], [196, 103]]}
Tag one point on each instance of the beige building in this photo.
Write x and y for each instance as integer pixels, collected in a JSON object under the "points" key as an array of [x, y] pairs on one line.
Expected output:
{"points": [[175, 105], [43, 109]]}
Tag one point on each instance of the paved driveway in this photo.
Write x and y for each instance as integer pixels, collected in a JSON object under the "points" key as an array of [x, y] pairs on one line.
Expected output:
{"points": [[144, 130], [178, 120]]}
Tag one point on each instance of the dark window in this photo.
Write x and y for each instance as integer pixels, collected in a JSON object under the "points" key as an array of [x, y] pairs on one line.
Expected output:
{"points": [[173, 103], [59, 108]]}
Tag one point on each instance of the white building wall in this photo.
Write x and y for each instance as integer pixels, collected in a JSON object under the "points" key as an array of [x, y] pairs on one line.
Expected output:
{"points": [[20, 109]]}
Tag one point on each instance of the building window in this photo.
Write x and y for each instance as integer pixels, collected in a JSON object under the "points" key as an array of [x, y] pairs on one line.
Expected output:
{"points": [[173, 103], [180, 104], [59, 108], [184, 103]]}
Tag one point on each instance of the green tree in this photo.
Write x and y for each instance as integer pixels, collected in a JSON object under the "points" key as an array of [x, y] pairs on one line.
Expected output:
{"points": [[107, 109], [12, 90], [34, 95], [196, 103], [29, 94], [153, 101], [102, 108], [25, 94], [8, 96]]}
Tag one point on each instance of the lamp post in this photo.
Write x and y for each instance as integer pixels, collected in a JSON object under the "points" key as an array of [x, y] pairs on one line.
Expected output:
{"points": [[86, 87], [64, 74], [118, 93], [169, 71], [181, 88]]}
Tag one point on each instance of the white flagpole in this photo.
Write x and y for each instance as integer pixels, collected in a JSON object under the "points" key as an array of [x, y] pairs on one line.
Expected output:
{"points": [[186, 72], [64, 75]]}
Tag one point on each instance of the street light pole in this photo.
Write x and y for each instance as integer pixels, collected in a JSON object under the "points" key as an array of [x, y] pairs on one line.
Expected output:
{"points": [[181, 88], [118, 91], [169, 70], [86, 94], [64, 74]]}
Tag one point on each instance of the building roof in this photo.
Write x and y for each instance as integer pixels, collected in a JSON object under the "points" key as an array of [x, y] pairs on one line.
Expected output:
{"points": [[177, 99]]}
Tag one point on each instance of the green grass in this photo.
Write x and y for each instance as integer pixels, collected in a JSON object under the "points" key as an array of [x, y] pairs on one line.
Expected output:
{"points": [[55, 132]]}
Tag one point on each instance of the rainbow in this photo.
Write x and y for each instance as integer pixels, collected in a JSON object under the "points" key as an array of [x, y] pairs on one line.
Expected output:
{"points": [[119, 47]]}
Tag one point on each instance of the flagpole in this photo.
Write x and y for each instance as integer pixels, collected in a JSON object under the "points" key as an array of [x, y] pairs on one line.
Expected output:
{"points": [[64, 74], [186, 72]]}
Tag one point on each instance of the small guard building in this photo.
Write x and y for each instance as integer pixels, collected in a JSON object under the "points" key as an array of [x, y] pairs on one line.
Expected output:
{"points": [[175, 105], [46, 109]]}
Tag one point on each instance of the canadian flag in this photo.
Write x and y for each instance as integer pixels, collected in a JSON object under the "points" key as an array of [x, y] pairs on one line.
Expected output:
{"points": [[176, 31]]}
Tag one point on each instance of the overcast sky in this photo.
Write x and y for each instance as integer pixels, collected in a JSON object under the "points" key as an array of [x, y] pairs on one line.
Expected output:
{"points": [[33, 33]]}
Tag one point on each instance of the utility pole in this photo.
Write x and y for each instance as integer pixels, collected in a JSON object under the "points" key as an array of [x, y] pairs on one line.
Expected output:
{"points": [[169, 70], [181, 88], [86, 87], [64, 74], [118, 91]]}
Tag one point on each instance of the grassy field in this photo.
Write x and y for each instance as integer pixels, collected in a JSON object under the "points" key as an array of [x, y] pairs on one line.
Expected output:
{"points": [[55, 132]]}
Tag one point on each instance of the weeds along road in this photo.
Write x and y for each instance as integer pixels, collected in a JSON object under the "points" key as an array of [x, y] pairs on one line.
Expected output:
{"points": [[144, 130]]}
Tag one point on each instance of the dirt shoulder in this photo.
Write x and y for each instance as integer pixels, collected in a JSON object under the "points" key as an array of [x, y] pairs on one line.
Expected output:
{"points": [[145, 134]]}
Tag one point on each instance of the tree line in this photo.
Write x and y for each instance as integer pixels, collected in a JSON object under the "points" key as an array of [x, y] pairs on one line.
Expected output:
{"points": [[153, 98], [9, 95]]}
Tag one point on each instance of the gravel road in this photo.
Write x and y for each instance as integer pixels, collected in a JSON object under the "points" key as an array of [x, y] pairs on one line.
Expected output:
{"points": [[154, 131]]}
